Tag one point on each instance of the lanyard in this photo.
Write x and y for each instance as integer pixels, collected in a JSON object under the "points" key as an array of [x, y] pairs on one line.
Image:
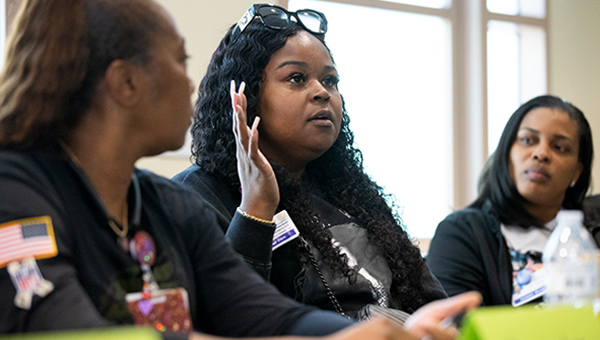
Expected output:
{"points": [[141, 246], [137, 205]]}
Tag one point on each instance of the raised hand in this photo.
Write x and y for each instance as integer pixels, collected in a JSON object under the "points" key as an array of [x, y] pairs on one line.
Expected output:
{"points": [[260, 193]]}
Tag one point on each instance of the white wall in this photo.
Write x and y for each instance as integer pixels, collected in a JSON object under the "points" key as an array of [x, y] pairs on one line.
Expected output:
{"points": [[575, 61]]}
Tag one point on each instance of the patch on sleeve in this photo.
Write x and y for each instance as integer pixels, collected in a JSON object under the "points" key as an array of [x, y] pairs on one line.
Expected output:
{"points": [[30, 237], [28, 280]]}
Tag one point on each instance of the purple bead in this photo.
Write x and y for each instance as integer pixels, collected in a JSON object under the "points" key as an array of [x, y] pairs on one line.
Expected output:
{"points": [[142, 248]]}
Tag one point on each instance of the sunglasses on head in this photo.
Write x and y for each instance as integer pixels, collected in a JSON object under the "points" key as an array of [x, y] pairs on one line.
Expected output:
{"points": [[276, 17]]}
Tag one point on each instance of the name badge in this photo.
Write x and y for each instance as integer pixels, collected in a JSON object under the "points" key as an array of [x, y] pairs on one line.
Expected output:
{"points": [[528, 284], [165, 310], [285, 229]]}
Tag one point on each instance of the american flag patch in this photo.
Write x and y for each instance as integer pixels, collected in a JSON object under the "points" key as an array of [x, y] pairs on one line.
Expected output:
{"points": [[30, 237]]}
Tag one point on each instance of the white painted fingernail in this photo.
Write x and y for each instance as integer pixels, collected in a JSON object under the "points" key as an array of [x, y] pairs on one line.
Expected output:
{"points": [[232, 94]]}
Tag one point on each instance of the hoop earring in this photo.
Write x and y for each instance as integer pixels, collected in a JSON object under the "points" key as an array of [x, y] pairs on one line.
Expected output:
{"points": [[573, 184]]}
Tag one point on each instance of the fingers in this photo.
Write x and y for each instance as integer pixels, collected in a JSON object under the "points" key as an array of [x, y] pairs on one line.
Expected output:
{"points": [[238, 105], [242, 97], [462, 302], [235, 117], [232, 94], [246, 138], [260, 193], [433, 314], [253, 144], [238, 99], [435, 333], [459, 303]]}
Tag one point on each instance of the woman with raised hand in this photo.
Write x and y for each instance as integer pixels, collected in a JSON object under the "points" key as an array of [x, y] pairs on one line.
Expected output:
{"points": [[542, 165], [292, 150]]}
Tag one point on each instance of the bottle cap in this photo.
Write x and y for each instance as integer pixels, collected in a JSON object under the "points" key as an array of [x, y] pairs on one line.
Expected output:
{"points": [[570, 215]]}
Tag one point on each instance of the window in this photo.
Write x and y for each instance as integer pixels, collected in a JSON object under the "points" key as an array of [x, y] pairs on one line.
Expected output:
{"points": [[516, 59], [396, 78], [424, 3], [526, 8], [429, 86]]}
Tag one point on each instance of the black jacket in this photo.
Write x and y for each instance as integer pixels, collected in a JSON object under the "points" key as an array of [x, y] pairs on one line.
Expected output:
{"points": [[468, 252], [284, 269], [91, 273]]}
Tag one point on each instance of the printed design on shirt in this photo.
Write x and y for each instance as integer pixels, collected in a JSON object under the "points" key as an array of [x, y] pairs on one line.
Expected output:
{"points": [[377, 289], [28, 280], [29, 237], [528, 276], [374, 274]]}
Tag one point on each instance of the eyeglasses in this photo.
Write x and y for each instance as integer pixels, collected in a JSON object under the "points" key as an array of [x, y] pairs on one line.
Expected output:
{"points": [[278, 18]]}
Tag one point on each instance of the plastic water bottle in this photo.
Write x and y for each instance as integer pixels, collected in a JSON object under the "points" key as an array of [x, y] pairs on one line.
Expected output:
{"points": [[570, 260]]}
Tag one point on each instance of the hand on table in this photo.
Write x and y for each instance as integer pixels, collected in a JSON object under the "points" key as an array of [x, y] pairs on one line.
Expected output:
{"points": [[427, 320]]}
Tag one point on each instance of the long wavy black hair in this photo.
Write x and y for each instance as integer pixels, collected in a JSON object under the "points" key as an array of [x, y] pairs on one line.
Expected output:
{"points": [[338, 175], [496, 185]]}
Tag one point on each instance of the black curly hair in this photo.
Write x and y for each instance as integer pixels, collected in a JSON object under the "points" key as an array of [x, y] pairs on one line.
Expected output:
{"points": [[337, 176]]}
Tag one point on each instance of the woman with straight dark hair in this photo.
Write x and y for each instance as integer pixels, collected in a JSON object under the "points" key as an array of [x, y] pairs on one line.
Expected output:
{"points": [[542, 165]]}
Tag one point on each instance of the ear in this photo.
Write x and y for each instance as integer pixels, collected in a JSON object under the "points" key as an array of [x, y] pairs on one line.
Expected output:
{"points": [[126, 83]]}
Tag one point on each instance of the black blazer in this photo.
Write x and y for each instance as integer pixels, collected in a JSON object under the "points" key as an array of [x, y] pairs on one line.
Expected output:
{"points": [[468, 252]]}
